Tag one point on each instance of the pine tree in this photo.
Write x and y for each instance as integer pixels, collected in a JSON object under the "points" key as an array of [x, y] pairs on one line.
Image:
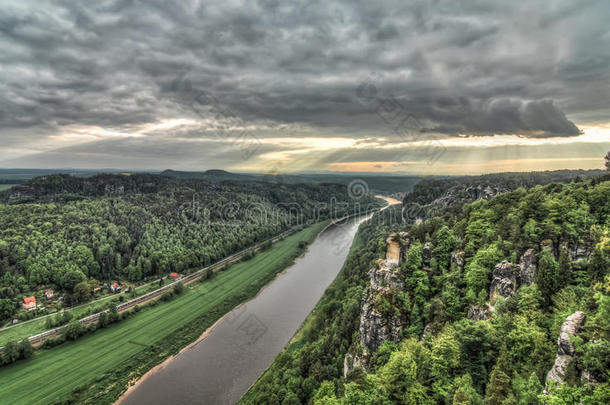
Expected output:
{"points": [[565, 267], [498, 389], [547, 274], [533, 389]]}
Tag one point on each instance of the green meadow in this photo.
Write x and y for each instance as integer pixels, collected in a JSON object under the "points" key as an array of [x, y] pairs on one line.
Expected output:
{"points": [[97, 368]]}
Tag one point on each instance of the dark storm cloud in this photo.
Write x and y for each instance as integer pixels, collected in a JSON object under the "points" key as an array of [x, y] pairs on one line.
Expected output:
{"points": [[460, 67]]}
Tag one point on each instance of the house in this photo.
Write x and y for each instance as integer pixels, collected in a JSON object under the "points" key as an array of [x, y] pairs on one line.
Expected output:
{"points": [[174, 276], [49, 294], [29, 303], [115, 287]]}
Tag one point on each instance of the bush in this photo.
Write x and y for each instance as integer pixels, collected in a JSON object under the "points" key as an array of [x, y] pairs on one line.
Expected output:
{"points": [[73, 330], [14, 351], [179, 288], [103, 320], [167, 296], [25, 349]]}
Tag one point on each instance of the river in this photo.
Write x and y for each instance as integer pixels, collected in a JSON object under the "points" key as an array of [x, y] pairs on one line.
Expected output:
{"points": [[220, 368]]}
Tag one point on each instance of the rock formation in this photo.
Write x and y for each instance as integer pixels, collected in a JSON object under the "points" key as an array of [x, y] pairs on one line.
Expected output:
{"points": [[477, 313], [527, 267], [565, 353], [457, 260], [427, 254], [376, 327], [504, 280]]}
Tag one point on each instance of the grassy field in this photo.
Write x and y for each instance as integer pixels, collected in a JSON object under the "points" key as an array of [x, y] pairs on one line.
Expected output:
{"points": [[96, 368], [38, 325], [6, 186]]}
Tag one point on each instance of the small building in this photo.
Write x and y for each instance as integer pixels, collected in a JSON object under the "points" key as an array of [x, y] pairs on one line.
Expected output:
{"points": [[174, 276], [115, 287], [50, 294], [29, 303]]}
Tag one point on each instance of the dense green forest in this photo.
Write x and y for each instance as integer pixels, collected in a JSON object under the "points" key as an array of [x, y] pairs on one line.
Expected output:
{"points": [[465, 318], [71, 233]]}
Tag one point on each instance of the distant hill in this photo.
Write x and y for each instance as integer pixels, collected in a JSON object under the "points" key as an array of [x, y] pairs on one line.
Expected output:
{"points": [[211, 175], [384, 184]]}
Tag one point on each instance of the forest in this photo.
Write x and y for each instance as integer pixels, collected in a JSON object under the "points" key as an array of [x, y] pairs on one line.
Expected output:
{"points": [[473, 313], [74, 234]]}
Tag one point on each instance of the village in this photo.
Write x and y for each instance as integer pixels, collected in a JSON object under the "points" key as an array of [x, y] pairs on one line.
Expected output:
{"points": [[50, 301]]}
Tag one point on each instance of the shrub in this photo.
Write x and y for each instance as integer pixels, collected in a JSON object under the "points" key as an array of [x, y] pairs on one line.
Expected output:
{"points": [[167, 296], [73, 330], [25, 349], [179, 288]]}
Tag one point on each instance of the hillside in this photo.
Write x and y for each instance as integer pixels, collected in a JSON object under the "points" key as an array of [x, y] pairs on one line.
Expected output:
{"points": [[71, 234], [473, 313]]}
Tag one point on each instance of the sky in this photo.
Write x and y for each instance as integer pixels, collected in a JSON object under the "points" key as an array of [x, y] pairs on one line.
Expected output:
{"points": [[417, 87]]}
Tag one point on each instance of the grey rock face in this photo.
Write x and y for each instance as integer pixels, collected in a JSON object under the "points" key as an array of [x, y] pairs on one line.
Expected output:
{"points": [[427, 254], [483, 192], [385, 277], [375, 327], [579, 252], [504, 280], [568, 329], [477, 313], [566, 348], [457, 259], [351, 362], [589, 378], [527, 267]]}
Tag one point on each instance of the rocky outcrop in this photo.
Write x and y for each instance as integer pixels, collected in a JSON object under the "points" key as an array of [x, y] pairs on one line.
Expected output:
{"points": [[350, 362], [504, 280], [565, 354], [484, 192], [392, 255], [477, 313], [427, 254], [377, 327], [457, 260], [579, 252], [527, 267]]}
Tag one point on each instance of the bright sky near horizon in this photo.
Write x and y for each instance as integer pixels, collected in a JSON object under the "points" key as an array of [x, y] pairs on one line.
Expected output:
{"points": [[445, 87]]}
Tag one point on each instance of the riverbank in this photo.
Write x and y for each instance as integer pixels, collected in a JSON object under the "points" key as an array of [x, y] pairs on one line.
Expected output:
{"points": [[98, 367], [133, 385], [325, 331], [237, 350]]}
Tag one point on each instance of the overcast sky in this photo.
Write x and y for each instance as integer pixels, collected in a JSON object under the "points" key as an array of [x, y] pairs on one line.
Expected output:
{"points": [[430, 86]]}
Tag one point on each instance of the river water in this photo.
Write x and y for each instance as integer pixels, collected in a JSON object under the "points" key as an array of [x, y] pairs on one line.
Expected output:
{"points": [[220, 368]]}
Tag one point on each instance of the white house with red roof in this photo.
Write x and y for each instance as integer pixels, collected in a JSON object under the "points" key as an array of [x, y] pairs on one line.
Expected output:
{"points": [[29, 303]]}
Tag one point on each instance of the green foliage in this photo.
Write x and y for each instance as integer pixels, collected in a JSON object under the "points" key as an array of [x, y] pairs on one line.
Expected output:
{"points": [[140, 227], [179, 288], [73, 330], [478, 272], [547, 275], [503, 360], [465, 394]]}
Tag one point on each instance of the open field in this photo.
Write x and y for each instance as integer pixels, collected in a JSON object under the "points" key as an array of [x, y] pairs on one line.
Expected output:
{"points": [[97, 367], [6, 186]]}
